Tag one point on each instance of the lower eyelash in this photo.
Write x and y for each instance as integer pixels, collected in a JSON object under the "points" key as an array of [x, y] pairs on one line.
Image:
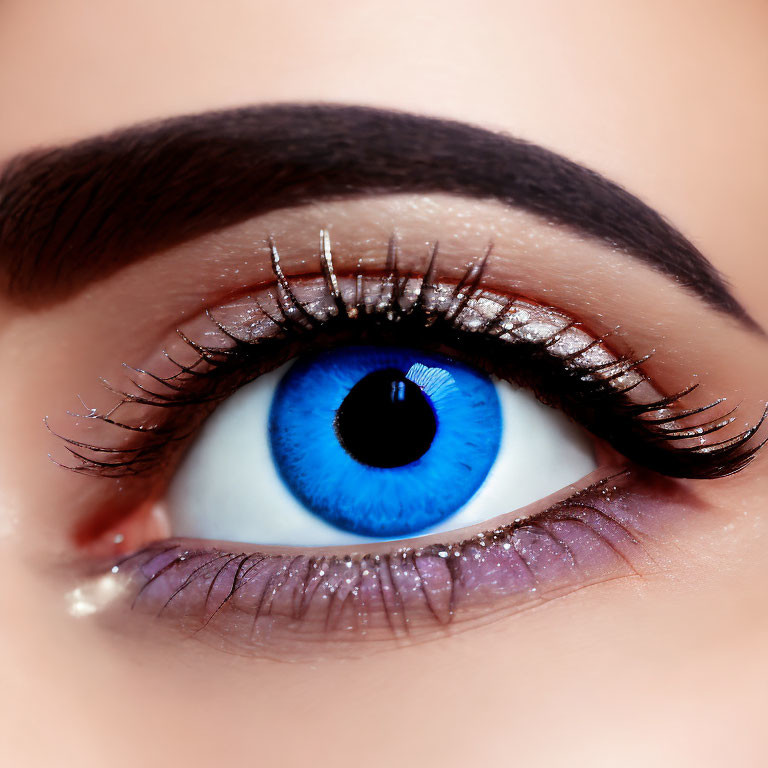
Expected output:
{"points": [[251, 600], [515, 339]]}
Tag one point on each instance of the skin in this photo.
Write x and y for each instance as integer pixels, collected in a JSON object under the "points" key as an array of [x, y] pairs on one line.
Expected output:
{"points": [[667, 668]]}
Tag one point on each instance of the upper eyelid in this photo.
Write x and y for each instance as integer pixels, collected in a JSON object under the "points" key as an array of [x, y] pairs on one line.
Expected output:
{"points": [[714, 459], [108, 199]]}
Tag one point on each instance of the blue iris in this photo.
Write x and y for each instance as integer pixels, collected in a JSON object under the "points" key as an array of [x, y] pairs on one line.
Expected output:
{"points": [[384, 441]]}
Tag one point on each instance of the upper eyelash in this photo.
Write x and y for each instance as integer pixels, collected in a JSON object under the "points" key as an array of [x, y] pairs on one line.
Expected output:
{"points": [[646, 432]]}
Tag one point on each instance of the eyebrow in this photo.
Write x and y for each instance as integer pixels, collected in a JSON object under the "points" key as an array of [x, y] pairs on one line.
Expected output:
{"points": [[71, 215]]}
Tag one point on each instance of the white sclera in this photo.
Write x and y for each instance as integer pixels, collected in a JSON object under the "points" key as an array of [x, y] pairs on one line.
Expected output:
{"points": [[228, 487]]}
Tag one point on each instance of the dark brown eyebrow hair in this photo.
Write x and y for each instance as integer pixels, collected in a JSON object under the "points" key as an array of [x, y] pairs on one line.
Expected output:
{"points": [[70, 215]]}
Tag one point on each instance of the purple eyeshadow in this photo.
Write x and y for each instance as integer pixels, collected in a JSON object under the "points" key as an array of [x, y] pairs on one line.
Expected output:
{"points": [[276, 603]]}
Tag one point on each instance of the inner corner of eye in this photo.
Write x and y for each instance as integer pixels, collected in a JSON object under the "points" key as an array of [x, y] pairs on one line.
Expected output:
{"points": [[111, 533], [371, 443]]}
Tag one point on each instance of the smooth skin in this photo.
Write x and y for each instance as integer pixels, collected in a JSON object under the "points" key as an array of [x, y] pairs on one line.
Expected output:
{"points": [[666, 669]]}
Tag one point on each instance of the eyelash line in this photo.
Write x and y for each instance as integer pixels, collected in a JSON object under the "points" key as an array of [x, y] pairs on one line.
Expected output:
{"points": [[589, 393], [329, 569]]}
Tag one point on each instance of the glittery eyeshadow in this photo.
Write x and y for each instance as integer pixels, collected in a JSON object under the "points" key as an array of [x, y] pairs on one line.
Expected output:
{"points": [[297, 604], [513, 320], [514, 338]]}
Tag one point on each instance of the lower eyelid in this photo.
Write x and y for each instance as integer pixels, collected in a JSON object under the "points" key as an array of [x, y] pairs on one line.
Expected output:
{"points": [[297, 604]]}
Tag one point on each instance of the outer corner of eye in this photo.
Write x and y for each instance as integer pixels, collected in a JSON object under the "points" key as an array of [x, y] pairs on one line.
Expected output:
{"points": [[366, 443]]}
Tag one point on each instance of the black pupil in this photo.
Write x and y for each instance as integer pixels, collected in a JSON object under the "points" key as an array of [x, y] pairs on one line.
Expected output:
{"points": [[385, 420]]}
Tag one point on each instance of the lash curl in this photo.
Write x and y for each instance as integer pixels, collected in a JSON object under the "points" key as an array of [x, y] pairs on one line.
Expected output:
{"points": [[660, 435]]}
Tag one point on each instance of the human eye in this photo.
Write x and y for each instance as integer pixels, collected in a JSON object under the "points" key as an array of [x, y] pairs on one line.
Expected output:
{"points": [[384, 430]]}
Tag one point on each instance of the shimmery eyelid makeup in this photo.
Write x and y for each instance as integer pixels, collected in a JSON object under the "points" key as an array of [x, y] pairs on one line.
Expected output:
{"points": [[294, 605], [512, 337]]}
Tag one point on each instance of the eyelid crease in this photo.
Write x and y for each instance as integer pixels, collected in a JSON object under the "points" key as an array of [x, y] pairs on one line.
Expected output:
{"points": [[609, 394]]}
